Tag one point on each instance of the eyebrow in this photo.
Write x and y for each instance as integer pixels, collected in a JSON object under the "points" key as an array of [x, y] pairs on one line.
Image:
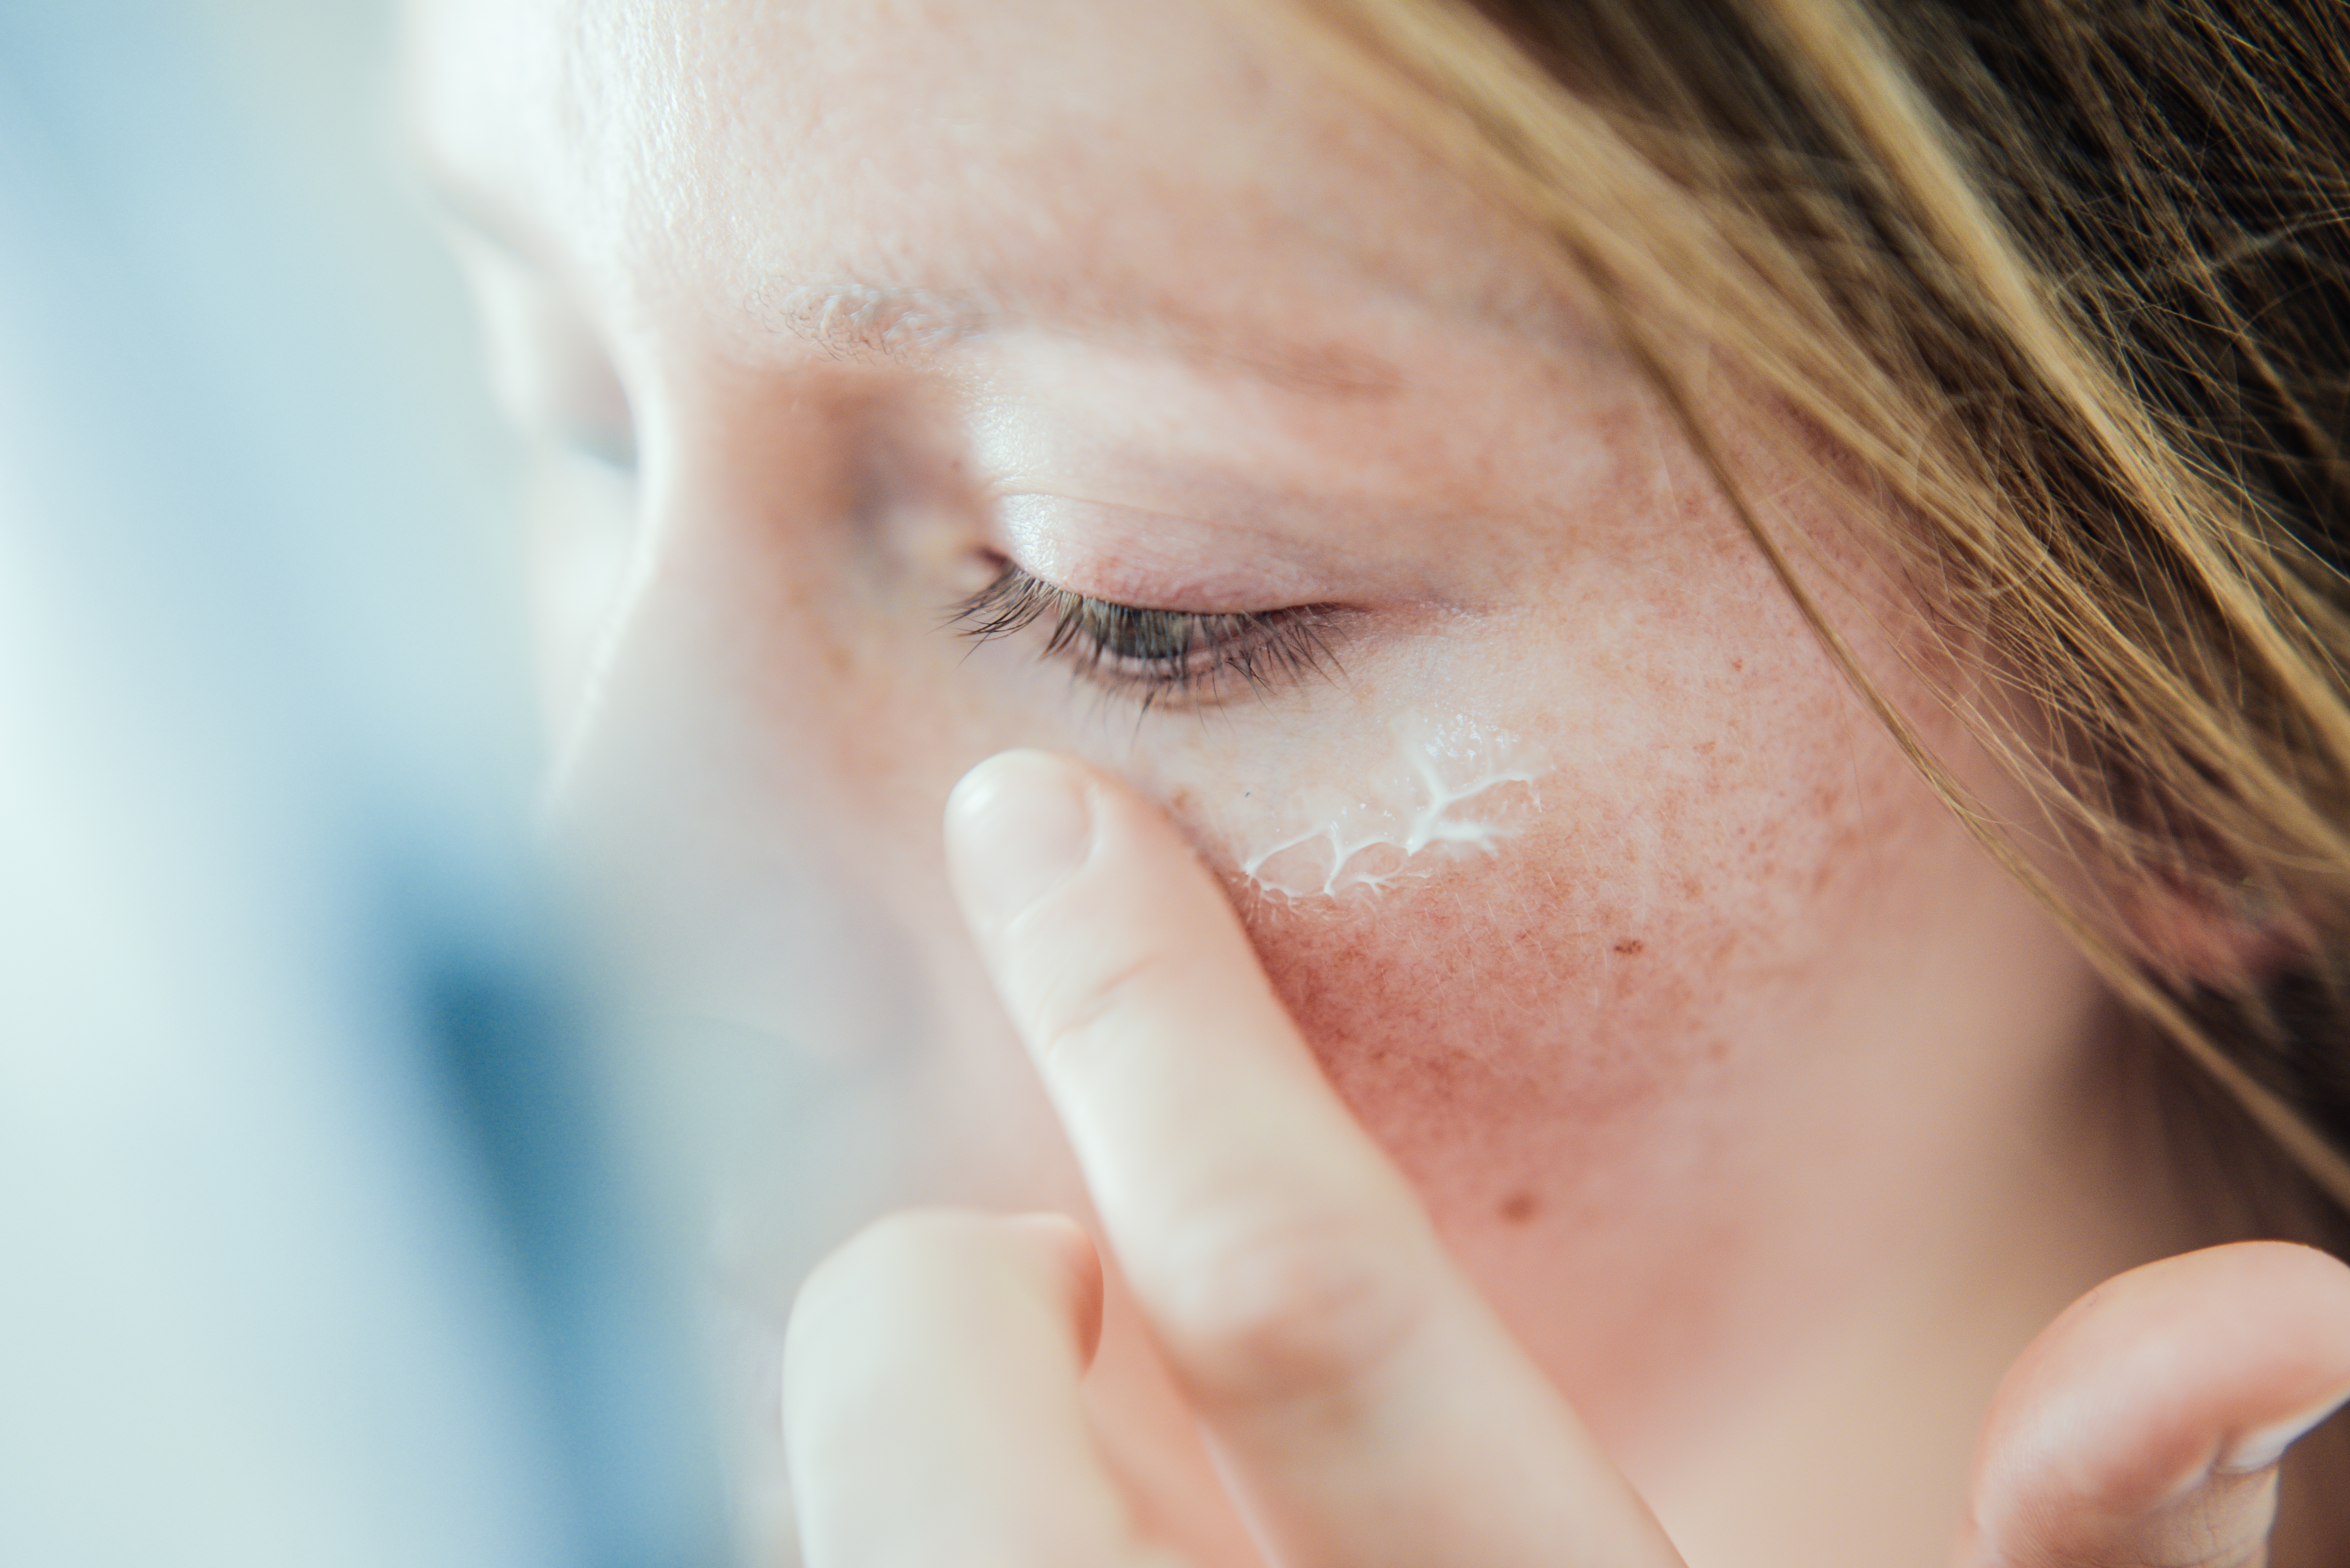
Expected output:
{"points": [[870, 322], [867, 323]]}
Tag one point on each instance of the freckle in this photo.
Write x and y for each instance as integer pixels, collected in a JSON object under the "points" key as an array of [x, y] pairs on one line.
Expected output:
{"points": [[1738, 664], [1182, 800], [1631, 946], [1520, 1207]]}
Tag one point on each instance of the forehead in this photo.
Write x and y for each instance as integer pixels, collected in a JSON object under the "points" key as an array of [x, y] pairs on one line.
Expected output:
{"points": [[1168, 159]]}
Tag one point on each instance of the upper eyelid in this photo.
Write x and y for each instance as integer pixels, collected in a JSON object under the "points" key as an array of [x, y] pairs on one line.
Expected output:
{"points": [[1140, 558], [1097, 601], [1019, 580]]}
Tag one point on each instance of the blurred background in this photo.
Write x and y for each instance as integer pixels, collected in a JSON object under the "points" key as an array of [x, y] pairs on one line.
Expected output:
{"points": [[317, 1243]]}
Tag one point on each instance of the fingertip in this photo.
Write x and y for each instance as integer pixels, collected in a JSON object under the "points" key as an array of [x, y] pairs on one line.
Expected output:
{"points": [[2264, 1446], [1016, 825], [2290, 1330], [2312, 1288], [901, 1266], [1008, 768]]}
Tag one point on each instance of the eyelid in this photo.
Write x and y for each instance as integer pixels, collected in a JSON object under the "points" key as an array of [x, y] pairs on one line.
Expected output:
{"points": [[1125, 557]]}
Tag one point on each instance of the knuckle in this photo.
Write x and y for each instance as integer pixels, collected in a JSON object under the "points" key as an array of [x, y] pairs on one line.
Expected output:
{"points": [[1076, 1008], [1309, 1307]]}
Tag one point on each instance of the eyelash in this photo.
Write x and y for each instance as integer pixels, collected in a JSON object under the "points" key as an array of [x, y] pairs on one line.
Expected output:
{"points": [[1154, 655]]}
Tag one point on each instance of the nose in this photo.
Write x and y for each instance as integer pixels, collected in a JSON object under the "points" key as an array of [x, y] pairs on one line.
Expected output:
{"points": [[742, 769], [746, 812], [752, 786]]}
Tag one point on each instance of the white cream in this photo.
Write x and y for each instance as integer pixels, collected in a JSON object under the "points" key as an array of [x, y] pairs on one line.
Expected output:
{"points": [[1444, 789]]}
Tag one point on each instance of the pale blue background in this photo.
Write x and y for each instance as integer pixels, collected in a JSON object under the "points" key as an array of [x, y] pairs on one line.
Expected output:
{"points": [[311, 1248]]}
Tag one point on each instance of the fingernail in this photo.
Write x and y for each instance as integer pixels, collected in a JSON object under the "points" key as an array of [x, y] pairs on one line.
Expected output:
{"points": [[1016, 824], [2258, 1450]]}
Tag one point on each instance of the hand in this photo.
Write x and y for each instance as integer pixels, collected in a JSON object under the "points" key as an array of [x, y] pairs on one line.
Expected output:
{"points": [[1367, 1405]]}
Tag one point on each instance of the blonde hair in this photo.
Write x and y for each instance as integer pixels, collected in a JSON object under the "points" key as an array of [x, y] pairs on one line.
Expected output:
{"points": [[2068, 287]]}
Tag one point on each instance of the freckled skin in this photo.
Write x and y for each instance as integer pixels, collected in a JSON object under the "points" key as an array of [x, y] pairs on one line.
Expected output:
{"points": [[1739, 1043]]}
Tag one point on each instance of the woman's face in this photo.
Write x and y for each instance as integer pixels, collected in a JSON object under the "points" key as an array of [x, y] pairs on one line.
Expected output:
{"points": [[1699, 1022]]}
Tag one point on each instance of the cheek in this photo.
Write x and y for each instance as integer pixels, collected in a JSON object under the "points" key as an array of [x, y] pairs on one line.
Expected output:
{"points": [[1521, 1020]]}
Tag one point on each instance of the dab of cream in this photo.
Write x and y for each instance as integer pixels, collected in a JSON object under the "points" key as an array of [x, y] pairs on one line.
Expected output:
{"points": [[1414, 804]]}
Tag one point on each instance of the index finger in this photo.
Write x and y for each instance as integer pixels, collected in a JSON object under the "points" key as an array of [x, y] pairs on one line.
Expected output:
{"points": [[1371, 1407]]}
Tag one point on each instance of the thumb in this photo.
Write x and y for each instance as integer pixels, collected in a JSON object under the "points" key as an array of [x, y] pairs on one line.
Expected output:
{"points": [[2145, 1424]]}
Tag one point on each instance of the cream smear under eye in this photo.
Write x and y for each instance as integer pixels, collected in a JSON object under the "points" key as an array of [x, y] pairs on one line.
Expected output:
{"points": [[1447, 788]]}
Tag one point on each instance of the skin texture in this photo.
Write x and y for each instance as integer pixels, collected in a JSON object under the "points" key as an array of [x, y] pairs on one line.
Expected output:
{"points": [[1762, 1114]]}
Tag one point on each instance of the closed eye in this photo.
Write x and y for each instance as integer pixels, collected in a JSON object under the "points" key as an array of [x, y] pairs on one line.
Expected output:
{"points": [[1156, 656]]}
